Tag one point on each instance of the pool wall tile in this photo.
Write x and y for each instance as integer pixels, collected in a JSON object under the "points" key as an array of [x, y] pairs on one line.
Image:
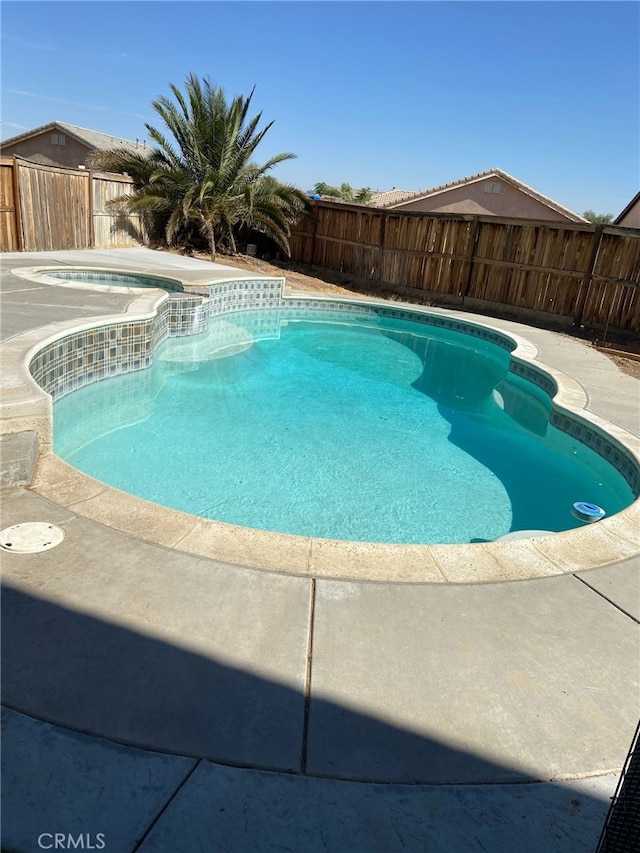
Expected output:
{"points": [[535, 375]]}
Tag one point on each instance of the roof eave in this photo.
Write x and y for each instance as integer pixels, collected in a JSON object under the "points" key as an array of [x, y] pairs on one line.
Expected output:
{"points": [[69, 130], [624, 212], [21, 137]]}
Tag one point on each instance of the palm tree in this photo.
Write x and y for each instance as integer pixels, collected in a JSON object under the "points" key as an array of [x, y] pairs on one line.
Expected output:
{"points": [[201, 174]]}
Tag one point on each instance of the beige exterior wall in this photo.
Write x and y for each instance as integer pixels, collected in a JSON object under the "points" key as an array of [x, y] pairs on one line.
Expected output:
{"points": [[631, 219], [41, 149], [472, 198]]}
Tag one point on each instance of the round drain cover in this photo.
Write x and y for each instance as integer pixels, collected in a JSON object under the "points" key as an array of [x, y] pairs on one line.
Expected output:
{"points": [[31, 537]]}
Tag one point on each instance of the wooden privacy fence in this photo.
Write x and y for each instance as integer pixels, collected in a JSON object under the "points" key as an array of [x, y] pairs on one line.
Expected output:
{"points": [[47, 208], [579, 272], [585, 273]]}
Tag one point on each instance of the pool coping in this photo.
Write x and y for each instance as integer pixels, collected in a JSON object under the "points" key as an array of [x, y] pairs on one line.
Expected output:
{"points": [[26, 406], [38, 275]]}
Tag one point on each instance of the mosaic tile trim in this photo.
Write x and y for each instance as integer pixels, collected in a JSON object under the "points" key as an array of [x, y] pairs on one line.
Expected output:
{"points": [[319, 305], [245, 295], [452, 325], [188, 315], [93, 354], [536, 376], [587, 434], [436, 321]]}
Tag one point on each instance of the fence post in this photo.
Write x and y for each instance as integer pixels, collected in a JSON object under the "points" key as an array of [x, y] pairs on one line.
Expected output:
{"points": [[472, 253], [383, 232], [312, 259], [16, 200], [582, 300], [92, 230]]}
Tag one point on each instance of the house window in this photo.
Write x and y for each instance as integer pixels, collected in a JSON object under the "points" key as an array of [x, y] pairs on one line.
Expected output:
{"points": [[57, 139], [492, 187]]}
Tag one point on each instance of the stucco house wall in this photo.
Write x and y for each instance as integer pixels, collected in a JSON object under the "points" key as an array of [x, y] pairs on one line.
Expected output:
{"points": [[483, 197], [62, 144], [490, 193], [630, 216], [41, 149]]}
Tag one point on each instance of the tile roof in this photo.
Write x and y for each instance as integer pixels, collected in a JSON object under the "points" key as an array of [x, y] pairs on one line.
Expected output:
{"points": [[379, 199], [394, 196]]}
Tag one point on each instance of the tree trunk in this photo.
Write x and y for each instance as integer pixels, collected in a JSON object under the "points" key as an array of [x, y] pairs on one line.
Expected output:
{"points": [[211, 237]]}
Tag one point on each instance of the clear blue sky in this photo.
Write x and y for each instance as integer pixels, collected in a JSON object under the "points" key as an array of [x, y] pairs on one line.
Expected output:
{"points": [[378, 94]]}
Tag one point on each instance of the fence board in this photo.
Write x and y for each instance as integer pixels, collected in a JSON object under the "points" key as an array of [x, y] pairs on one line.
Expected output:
{"points": [[588, 273], [61, 225], [113, 225], [614, 289], [8, 218]]}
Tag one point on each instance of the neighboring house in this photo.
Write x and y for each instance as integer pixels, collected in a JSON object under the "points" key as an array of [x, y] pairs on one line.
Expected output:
{"points": [[493, 193], [61, 144], [630, 216]]}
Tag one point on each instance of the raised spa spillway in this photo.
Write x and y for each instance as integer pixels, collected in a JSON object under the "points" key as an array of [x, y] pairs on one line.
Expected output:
{"points": [[358, 426]]}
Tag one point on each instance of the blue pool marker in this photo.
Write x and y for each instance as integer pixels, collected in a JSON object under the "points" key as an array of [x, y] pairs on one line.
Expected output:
{"points": [[587, 512]]}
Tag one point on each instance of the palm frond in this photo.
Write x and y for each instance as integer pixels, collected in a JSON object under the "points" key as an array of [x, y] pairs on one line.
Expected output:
{"points": [[201, 171]]}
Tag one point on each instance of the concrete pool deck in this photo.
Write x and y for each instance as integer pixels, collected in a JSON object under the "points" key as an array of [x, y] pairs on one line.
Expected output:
{"points": [[171, 701]]}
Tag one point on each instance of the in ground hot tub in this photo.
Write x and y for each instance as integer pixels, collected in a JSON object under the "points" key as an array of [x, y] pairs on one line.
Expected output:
{"points": [[109, 279]]}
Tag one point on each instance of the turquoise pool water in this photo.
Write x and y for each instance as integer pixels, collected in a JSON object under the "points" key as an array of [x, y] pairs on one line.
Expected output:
{"points": [[355, 427]]}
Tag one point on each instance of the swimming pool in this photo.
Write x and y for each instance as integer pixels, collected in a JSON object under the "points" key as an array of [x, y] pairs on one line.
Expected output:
{"points": [[361, 427]]}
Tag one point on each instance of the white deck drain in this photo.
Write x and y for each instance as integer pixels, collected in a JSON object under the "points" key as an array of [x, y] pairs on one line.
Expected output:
{"points": [[31, 537]]}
